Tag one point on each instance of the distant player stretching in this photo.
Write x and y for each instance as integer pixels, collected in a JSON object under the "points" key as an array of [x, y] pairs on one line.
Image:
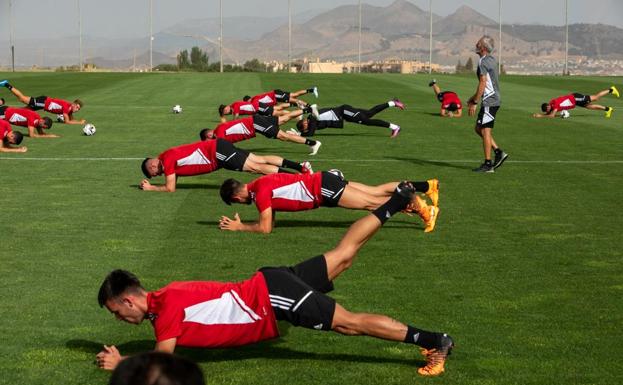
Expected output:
{"points": [[288, 192], [60, 107], [207, 156], [569, 102], [209, 314], [451, 106], [243, 129], [334, 118]]}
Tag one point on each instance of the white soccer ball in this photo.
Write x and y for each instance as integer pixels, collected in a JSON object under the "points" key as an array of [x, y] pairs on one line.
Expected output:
{"points": [[177, 109], [60, 118], [89, 129], [564, 114]]}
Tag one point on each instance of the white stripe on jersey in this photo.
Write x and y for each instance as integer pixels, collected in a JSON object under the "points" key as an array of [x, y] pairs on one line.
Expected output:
{"points": [[229, 309], [196, 158], [296, 191], [238, 128]]}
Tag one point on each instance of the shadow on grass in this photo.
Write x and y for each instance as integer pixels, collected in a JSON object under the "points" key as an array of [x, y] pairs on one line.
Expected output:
{"points": [[432, 163], [190, 186], [330, 224], [268, 349]]}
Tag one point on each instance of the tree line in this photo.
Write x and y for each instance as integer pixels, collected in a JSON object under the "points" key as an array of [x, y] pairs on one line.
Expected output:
{"points": [[198, 61]]}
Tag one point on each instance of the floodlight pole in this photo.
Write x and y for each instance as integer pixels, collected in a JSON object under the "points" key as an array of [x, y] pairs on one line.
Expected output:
{"points": [[430, 37], [566, 37], [11, 34], [80, 35], [359, 49], [500, 38], [289, 35], [220, 41], [151, 35]]}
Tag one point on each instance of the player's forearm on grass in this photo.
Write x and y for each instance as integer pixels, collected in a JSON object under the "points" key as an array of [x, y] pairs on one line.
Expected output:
{"points": [[166, 346], [263, 225]]}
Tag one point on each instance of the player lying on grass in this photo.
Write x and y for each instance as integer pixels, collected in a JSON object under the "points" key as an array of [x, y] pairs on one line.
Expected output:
{"points": [[27, 118], [451, 106], [569, 102], [207, 156], [288, 192], [334, 118], [10, 138], [55, 106], [208, 314], [273, 103], [243, 129]]}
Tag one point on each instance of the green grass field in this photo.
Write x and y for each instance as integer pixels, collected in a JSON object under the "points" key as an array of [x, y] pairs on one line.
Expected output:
{"points": [[523, 270]]}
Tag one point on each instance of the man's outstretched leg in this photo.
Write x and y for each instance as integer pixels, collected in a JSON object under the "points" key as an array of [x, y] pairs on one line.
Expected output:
{"points": [[18, 94], [436, 346]]}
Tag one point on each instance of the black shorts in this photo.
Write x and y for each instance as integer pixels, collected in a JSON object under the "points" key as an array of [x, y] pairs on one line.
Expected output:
{"points": [[2, 110], [486, 116], [440, 96], [581, 100], [230, 157], [298, 293], [282, 96], [37, 103], [331, 187], [266, 125], [265, 110]]}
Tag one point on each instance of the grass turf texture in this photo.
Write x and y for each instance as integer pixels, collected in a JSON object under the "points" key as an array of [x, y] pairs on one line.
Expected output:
{"points": [[523, 270]]}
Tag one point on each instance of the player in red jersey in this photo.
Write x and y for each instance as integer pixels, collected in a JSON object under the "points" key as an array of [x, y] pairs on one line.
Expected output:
{"points": [[243, 129], [241, 107], [207, 156], [27, 118], [210, 314], [569, 102], [10, 138], [64, 109], [273, 97], [287, 192], [451, 105]]}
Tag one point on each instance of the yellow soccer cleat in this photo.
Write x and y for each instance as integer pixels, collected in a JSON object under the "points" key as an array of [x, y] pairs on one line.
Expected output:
{"points": [[614, 91], [436, 357], [609, 112], [433, 213], [433, 191]]}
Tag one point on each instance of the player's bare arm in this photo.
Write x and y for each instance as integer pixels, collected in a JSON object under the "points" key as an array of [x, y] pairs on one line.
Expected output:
{"points": [[35, 132], [264, 225], [473, 101], [9, 148], [551, 114], [68, 119], [169, 186]]}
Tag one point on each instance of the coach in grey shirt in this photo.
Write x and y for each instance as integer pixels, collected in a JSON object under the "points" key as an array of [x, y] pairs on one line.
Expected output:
{"points": [[488, 92]]}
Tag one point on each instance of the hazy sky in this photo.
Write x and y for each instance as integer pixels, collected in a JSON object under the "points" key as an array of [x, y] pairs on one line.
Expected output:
{"points": [[129, 18]]}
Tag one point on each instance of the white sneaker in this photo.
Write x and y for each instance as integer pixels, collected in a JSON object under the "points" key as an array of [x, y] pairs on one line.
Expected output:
{"points": [[315, 148], [314, 108], [316, 92], [307, 168], [294, 131], [395, 131]]}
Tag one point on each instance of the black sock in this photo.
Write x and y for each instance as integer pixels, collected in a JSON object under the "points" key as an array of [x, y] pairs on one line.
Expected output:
{"points": [[497, 151], [310, 90], [310, 142], [419, 337], [488, 162], [293, 104], [9, 86], [292, 165], [307, 109], [607, 109], [395, 203], [610, 90], [420, 186]]}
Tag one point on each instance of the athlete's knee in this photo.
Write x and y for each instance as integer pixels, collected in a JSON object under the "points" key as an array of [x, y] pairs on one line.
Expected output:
{"points": [[345, 322]]}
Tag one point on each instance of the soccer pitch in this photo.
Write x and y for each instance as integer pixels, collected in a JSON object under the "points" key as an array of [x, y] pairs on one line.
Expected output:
{"points": [[523, 269]]}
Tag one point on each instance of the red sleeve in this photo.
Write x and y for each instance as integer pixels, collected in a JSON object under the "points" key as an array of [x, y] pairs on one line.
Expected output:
{"points": [[5, 128], [31, 117], [169, 321], [168, 162], [263, 194]]}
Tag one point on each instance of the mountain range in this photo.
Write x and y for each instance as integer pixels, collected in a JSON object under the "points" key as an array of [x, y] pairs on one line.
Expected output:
{"points": [[398, 31]]}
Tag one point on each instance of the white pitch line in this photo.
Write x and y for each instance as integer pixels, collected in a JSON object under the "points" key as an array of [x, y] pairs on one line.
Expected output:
{"points": [[356, 160]]}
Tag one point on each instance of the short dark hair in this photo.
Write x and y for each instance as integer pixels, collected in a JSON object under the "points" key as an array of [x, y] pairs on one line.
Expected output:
{"points": [[2, 101], [203, 134], [17, 137], [544, 107], [79, 102], [299, 125], [228, 189], [246, 98], [144, 168], [116, 283], [48, 122], [157, 368], [452, 107], [221, 108]]}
